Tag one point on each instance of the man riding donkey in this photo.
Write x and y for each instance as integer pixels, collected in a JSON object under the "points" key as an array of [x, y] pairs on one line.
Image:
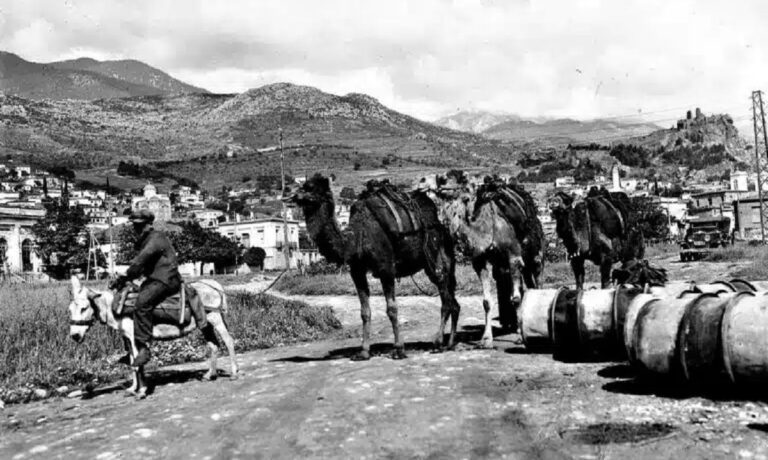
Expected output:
{"points": [[156, 260]]}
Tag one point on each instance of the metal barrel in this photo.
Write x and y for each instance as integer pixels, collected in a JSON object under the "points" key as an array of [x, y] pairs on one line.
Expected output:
{"points": [[744, 336], [564, 326], [622, 299], [633, 310], [743, 285], [698, 340], [535, 311], [654, 336], [584, 326]]}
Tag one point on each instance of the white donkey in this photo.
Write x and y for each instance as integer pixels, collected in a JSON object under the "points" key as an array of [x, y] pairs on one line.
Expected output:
{"points": [[89, 306]]}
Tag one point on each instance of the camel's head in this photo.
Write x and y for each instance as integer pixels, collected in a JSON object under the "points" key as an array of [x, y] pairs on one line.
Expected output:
{"points": [[313, 192], [560, 203], [81, 310], [452, 184]]}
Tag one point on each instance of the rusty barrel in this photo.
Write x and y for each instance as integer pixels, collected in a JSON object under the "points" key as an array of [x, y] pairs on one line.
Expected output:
{"points": [[630, 318], [654, 336], [744, 335], [584, 325], [563, 327], [698, 340], [535, 311], [622, 299]]}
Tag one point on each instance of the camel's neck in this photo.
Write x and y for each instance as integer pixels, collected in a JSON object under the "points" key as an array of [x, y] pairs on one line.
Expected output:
{"points": [[456, 214], [325, 232]]}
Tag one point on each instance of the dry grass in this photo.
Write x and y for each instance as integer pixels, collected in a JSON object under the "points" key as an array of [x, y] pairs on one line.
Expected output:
{"points": [[758, 255], [467, 282], [36, 351]]}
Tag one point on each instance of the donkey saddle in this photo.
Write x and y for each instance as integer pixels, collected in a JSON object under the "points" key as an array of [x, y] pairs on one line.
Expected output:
{"points": [[177, 309]]}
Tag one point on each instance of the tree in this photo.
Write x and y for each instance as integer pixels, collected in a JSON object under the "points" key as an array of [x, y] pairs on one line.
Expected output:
{"points": [[255, 257], [650, 217], [348, 193], [62, 238]]}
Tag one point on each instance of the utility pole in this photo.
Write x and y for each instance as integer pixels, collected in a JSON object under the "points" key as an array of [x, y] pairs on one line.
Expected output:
{"points": [[286, 252], [761, 156]]}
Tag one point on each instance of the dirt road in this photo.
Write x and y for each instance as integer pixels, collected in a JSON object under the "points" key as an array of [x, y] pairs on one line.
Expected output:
{"points": [[312, 401]]}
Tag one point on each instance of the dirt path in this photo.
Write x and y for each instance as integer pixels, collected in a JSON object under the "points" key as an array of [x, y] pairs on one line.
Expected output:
{"points": [[312, 401]]}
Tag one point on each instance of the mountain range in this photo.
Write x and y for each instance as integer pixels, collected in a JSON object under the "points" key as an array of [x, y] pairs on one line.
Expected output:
{"points": [[85, 78], [508, 127]]}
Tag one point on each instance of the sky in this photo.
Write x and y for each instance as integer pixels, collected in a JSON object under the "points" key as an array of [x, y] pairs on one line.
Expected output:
{"points": [[430, 58]]}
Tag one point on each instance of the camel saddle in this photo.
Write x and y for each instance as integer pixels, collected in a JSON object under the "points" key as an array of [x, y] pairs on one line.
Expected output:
{"points": [[175, 309], [394, 210]]}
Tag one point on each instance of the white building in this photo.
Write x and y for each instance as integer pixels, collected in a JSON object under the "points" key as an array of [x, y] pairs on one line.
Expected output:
{"points": [[17, 242], [266, 233], [159, 205], [207, 217]]}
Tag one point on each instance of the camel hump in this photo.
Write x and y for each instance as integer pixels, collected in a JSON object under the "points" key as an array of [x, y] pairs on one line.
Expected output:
{"points": [[396, 211], [607, 216]]}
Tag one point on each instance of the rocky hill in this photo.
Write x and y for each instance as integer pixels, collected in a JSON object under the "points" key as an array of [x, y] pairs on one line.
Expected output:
{"points": [[475, 121], [85, 78], [544, 131], [227, 139], [567, 131]]}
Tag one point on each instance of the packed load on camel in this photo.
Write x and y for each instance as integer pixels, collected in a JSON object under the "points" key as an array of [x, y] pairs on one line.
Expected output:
{"points": [[600, 228]]}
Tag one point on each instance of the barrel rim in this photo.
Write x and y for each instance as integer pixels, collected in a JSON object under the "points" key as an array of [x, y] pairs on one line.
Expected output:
{"points": [[727, 284], [682, 331], [724, 328], [748, 284]]}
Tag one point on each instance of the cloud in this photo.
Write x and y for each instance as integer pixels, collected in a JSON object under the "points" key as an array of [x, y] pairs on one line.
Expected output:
{"points": [[552, 58]]}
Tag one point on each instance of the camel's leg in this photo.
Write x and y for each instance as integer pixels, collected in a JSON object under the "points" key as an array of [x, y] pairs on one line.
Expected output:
{"points": [[577, 264], [605, 271], [388, 286], [217, 320], [443, 276], [503, 278], [142, 383], [361, 284], [484, 272], [213, 351]]}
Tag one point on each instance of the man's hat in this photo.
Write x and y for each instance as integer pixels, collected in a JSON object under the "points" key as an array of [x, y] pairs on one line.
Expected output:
{"points": [[142, 216]]}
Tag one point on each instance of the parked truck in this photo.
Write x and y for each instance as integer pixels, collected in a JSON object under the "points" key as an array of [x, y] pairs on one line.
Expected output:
{"points": [[702, 235]]}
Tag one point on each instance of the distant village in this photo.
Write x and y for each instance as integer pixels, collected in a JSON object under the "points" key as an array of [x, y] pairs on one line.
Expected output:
{"points": [[23, 190]]}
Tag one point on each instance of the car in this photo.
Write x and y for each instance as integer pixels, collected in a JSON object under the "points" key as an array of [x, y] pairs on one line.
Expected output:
{"points": [[704, 234]]}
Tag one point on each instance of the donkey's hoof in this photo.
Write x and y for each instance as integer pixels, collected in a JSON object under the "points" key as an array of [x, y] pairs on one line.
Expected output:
{"points": [[398, 353], [363, 355]]}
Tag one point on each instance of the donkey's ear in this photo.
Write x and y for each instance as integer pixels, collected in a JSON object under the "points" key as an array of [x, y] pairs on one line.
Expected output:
{"points": [[75, 284]]}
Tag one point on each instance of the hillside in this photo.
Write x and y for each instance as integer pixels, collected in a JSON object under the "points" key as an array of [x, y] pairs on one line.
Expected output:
{"points": [[567, 131], [229, 139], [474, 121], [84, 78]]}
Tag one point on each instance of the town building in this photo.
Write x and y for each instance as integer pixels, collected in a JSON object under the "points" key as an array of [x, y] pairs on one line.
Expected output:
{"points": [[157, 204], [747, 217], [207, 218], [17, 242], [266, 233]]}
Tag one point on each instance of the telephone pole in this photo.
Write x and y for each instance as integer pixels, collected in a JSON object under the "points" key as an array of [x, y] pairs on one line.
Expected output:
{"points": [[286, 252], [761, 156]]}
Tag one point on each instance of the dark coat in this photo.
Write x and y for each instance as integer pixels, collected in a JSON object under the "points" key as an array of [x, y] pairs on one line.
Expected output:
{"points": [[156, 259]]}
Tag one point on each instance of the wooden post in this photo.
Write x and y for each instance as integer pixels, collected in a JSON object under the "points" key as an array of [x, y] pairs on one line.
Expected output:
{"points": [[286, 252]]}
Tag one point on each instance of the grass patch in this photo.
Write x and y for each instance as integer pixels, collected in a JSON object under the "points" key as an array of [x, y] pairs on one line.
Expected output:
{"points": [[738, 253], [758, 266], [467, 283], [36, 351]]}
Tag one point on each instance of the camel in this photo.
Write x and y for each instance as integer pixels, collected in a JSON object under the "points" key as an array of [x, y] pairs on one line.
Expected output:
{"points": [[596, 229], [390, 235], [519, 208], [89, 306], [485, 236]]}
